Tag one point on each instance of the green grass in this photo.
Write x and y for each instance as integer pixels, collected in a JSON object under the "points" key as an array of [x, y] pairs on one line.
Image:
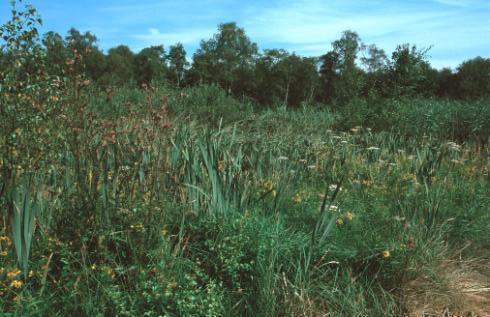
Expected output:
{"points": [[190, 203]]}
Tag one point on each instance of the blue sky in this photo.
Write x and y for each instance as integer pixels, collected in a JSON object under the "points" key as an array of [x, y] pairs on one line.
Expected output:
{"points": [[457, 29]]}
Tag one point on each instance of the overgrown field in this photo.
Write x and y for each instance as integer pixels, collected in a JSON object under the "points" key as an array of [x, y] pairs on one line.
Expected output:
{"points": [[160, 202]]}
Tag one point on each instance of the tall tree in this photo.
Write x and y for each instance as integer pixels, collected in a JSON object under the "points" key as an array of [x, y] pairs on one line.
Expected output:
{"points": [[409, 70], [226, 59], [177, 64], [375, 60], [349, 84], [150, 65], [376, 64], [85, 46], [339, 70], [447, 83], [328, 76], [285, 78], [120, 66], [56, 52], [474, 78], [268, 76]]}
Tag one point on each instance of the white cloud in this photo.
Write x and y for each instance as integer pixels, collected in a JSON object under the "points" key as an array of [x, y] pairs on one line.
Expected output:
{"points": [[187, 37], [312, 24], [309, 27]]}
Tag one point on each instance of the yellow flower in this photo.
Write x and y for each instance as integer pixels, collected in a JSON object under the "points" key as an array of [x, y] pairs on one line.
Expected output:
{"points": [[339, 221], [31, 273], [138, 227], [386, 254], [94, 266], [349, 216], [366, 182], [3, 253], [297, 199], [6, 240], [12, 275], [268, 185], [16, 284], [109, 271]]}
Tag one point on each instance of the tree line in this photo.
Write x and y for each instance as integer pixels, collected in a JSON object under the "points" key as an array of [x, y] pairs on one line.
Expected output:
{"points": [[230, 59]]}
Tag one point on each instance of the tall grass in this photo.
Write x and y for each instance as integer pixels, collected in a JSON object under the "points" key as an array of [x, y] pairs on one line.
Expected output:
{"points": [[188, 203]]}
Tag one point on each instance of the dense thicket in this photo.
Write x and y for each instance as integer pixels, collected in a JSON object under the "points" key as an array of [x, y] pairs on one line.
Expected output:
{"points": [[352, 69]]}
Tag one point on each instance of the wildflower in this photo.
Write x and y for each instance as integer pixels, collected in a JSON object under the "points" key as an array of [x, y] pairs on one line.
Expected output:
{"points": [[398, 218], [366, 182], [268, 185], [339, 221], [31, 273], [3, 253], [16, 284], [6, 240], [138, 227], [349, 216], [93, 266], [333, 187], [454, 146], [13, 274], [386, 254], [297, 198], [109, 271]]}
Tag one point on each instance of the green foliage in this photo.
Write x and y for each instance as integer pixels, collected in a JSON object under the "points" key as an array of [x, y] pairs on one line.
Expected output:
{"points": [[284, 78], [340, 72], [177, 64], [409, 70], [150, 65], [227, 59], [84, 45], [120, 62], [474, 78], [187, 202]]}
